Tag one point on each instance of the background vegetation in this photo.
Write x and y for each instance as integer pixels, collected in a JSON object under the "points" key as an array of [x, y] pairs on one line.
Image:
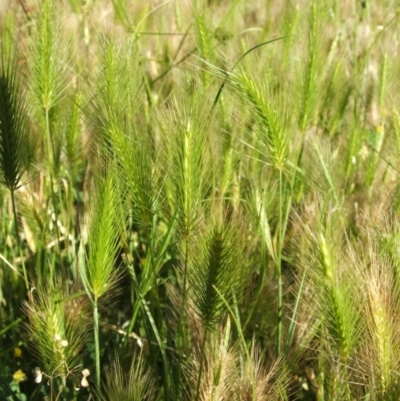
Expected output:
{"points": [[200, 200]]}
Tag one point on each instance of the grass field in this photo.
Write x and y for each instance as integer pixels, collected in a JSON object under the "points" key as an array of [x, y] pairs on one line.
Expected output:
{"points": [[199, 200]]}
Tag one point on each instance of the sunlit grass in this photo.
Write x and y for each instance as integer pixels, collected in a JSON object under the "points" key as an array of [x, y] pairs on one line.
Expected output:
{"points": [[199, 200]]}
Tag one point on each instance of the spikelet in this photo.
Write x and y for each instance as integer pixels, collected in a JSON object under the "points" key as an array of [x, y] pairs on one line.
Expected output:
{"points": [[13, 130]]}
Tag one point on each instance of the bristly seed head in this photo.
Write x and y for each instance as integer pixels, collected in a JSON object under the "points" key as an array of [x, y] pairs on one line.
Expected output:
{"points": [[13, 133]]}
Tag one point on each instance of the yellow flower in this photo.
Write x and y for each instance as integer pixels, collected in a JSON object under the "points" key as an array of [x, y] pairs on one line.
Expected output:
{"points": [[19, 376], [17, 352]]}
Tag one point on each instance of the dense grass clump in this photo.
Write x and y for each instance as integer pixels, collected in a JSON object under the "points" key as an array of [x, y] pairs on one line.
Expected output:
{"points": [[199, 200]]}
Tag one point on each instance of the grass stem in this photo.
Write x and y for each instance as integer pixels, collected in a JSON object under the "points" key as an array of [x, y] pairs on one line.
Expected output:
{"points": [[18, 240], [96, 341], [51, 156]]}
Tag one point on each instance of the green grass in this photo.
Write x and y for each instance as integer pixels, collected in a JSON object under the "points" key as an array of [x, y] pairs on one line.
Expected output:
{"points": [[199, 200]]}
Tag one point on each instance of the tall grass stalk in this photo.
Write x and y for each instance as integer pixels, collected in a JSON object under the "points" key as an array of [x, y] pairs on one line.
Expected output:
{"points": [[14, 136], [273, 143], [48, 85], [187, 181], [97, 272]]}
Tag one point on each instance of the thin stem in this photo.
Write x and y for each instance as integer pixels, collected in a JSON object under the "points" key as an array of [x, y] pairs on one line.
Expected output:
{"points": [[293, 321], [172, 66], [96, 341], [203, 347], [50, 154], [180, 331], [228, 73], [279, 267], [18, 239], [50, 147], [60, 391], [280, 313]]}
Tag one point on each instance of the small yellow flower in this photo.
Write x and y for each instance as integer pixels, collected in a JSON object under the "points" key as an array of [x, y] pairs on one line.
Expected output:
{"points": [[19, 376], [17, 352]]}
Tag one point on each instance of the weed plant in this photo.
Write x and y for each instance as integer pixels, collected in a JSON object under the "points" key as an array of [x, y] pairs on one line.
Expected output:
{"points": [[199, 200]]}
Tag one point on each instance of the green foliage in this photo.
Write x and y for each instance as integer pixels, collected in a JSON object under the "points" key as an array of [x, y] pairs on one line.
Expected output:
{"points": [[208, 188]]}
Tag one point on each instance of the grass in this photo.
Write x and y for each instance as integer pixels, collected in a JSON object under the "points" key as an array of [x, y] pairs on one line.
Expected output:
{"points": [[199, 200]]}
